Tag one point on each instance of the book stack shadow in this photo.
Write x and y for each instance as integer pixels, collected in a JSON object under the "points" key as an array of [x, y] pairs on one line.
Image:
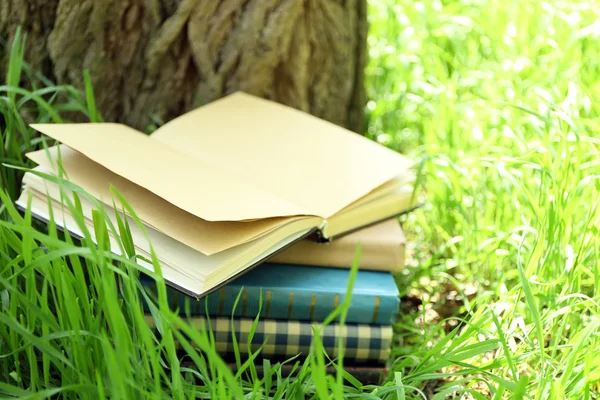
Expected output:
{"points": [[278, 303]]}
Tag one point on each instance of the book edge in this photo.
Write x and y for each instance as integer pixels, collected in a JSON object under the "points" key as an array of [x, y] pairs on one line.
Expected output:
{"points": [[174, 285], [320, 238]]}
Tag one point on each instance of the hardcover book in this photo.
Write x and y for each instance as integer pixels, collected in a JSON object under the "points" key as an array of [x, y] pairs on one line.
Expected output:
{"points": [[291, 292], [382, 248], [222, 187], [362, 344]]}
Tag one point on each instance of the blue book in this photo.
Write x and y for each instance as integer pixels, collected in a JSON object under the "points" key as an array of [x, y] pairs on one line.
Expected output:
{"points": [[300, 293]]}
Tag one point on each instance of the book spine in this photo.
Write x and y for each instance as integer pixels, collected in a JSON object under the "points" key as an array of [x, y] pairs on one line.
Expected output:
{"points": [[362, 344], [297, 305]]}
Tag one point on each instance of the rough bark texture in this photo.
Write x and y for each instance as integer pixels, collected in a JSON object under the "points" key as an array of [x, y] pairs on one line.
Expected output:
{"points": [[165, 57]]}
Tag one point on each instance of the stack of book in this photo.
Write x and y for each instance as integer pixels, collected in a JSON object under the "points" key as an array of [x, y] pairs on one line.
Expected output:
{"points": [[239, 192], [301, 287]]}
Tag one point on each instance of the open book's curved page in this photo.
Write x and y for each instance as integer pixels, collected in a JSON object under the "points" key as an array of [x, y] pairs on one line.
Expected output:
{"points": [[204, 236], [200, 188], [295, 156]]}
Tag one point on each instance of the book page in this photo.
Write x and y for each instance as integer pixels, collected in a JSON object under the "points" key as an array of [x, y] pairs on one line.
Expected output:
{"points": [[182, 266], [64, 220], [202, 189], [204, 236], [307, 161]]}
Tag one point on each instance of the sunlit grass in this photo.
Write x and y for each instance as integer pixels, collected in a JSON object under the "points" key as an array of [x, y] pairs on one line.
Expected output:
{"points": [[499, 100]]}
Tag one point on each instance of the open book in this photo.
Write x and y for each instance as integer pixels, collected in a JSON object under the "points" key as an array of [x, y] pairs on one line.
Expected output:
{"points": [[225, 186]]}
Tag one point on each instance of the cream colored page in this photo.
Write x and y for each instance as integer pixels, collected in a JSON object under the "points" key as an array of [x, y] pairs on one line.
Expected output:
{"points": [[186, 267], [187, 182], [395, 203], [66, 221], [169, 251], [382, 192], [189, 263], [307, 161], [204, 236]]}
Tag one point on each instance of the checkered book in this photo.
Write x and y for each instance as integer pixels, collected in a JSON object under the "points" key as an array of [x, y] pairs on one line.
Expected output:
{"points": [[362, 343]]}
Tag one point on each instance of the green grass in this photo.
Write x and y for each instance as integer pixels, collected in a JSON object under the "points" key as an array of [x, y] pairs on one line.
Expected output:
{"points": [[499, 101]]}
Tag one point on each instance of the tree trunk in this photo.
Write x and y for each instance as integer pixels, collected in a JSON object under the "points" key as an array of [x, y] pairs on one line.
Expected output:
{"points": [[164, 57]]}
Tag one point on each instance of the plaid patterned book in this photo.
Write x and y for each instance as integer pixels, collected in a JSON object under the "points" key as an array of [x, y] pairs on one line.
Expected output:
{"points": [[362, 343]]}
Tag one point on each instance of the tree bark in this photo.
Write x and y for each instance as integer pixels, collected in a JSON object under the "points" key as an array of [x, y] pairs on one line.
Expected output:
{"points": [[164, 57]]}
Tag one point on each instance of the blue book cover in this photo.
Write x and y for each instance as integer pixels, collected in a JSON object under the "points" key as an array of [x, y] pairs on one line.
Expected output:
{"points": [[300, 293]]}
